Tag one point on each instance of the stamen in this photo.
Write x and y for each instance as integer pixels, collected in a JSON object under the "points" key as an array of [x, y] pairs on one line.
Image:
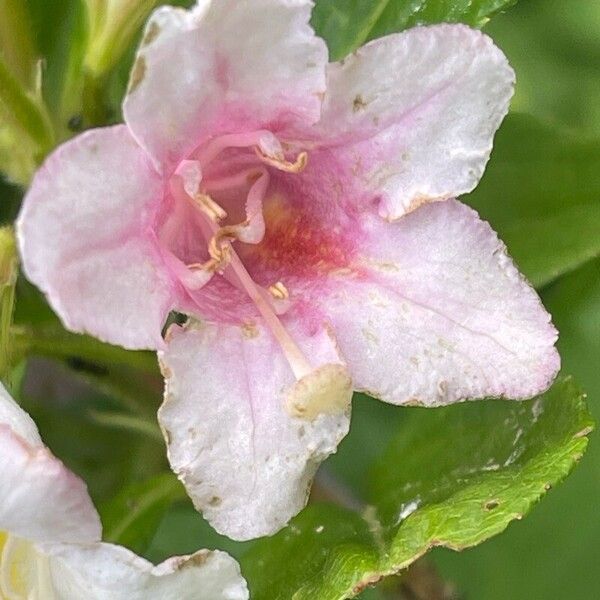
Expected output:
{"points": [[279, 162], [216, 247], [298, 362], [209, 207], [279, 291], [269, 150]]}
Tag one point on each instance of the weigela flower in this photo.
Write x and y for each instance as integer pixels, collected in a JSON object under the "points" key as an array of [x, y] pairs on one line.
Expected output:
{"points": [[302, 214], [50, 533]]}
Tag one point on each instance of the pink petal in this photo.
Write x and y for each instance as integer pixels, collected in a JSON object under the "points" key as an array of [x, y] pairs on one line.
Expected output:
{"points": [[84, 239], [226, 66], [40, 499], [413, 114], [246, 462], [107, 572], [12, 415], [433, 311]]}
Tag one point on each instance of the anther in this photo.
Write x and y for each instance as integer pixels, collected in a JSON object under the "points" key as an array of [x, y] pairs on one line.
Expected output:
{"points": [[284, 165], [210, 208], [217, 246], [279, 291]]}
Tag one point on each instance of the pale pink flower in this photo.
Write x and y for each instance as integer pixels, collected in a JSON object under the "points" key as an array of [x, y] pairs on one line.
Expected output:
{"points": [[50, 536], [292, 208]]}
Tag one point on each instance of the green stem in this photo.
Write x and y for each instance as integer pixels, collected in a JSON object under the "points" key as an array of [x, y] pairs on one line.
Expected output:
{"points": [[8, 279], [24, 110], [127, 422], [54, 342]]}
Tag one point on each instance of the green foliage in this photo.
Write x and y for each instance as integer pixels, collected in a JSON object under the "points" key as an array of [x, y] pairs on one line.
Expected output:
{"points": [[134, 514], [451, 477], [553, 553], [554, 47], [348, 24], [532, 193]]}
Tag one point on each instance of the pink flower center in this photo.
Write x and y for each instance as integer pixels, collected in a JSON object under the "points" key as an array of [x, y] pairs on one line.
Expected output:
{"points": [[216, 200]]}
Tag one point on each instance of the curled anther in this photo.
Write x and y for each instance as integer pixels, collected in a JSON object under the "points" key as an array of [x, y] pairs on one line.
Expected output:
{"points": [[218, 246], [209, 207], [279, 291], [279, 162], [213, 265]]}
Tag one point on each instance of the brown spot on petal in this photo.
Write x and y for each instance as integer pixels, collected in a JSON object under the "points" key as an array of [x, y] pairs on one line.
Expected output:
{"points": [[151, 33], [137, 74], [196, 560], [421, 199], [358, 103], [215, 501], [414, 402], [168, 437], [249, 330]]}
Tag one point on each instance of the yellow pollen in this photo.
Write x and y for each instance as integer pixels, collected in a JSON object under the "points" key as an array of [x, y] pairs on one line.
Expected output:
{"points": [[284, 165], [218, 246], [279, 291], [210, 208]]}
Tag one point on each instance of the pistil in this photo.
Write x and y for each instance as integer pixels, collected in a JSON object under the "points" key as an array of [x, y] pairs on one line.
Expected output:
{"points": [[295, 357], [326, 388]]}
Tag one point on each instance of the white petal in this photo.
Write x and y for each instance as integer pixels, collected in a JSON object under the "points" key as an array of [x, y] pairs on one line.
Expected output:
{"points": [[426, 104], [245, 460], [226, 66], [84, 236], [107, 572], [40, 499], [17, 419], [437, 313]]}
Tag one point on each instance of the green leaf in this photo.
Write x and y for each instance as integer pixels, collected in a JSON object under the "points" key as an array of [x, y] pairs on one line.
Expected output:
{"points": [[554, 552], [541, 192], [554, 47], [348, 24], [452, 477], [183, 530], [132, 517]]}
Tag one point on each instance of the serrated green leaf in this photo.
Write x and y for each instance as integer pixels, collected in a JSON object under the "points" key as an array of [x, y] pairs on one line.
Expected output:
{"points": [[132, 517], [541, 192], [348, 24], [453, 476]]}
